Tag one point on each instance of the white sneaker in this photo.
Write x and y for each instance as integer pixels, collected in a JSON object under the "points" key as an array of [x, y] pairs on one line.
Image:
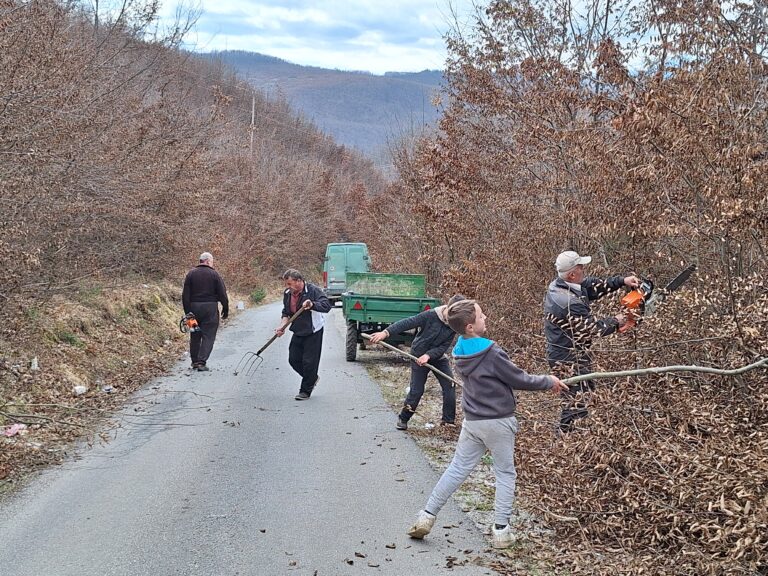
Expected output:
{"points": [[424, 523], [503, 537]]}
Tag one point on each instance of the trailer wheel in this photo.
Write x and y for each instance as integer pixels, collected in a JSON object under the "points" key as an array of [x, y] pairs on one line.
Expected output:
{"points": [[351, 341]]}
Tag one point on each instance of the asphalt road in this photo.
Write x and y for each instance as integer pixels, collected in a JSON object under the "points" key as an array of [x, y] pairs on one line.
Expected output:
{"points": [[216, 475]]}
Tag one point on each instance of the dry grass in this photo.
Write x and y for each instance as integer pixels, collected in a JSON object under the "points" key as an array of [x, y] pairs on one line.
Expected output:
{"points": [[111, 341]]}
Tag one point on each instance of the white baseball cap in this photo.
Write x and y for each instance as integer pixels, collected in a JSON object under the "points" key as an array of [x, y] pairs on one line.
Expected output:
{"points": [[569, 259]]}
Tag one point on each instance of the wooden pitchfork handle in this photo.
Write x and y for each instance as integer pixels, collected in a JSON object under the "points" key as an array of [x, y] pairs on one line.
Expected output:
{"points": [[275, 337], [395, 349]]}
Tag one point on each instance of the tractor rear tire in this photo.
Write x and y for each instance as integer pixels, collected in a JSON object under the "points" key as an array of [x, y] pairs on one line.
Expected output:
{"points": [[351, 341]]}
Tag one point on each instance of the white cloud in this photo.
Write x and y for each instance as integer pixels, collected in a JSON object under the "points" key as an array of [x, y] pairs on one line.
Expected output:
{"points": [[373, 35]]}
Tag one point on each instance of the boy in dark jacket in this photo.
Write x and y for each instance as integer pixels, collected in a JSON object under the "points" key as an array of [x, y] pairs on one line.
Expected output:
{"points": [[432, 341], [488, 399]]}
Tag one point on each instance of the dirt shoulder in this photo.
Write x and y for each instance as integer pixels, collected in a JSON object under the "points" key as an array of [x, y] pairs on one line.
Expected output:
{"points": [[68, 363]]}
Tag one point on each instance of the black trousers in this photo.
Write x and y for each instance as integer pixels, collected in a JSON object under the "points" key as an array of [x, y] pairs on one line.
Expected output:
{"points": [[201, 343], [574, 402], [304, 358], [418, 381]]}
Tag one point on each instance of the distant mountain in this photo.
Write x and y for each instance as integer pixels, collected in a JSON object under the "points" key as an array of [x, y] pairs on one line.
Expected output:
{"points": [[358, 109]]}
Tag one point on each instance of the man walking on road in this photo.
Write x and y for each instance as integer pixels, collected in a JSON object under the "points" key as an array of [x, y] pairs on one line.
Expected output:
{"points": [[569, 326], [203, 290], [307, 340]]}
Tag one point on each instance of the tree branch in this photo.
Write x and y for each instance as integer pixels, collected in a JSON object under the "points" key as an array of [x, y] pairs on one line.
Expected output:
{"points": [[23, 418], [663, 369]]}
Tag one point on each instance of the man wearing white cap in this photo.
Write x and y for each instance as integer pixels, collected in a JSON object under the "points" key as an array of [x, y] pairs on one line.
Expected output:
{"points": [[569, 326]]}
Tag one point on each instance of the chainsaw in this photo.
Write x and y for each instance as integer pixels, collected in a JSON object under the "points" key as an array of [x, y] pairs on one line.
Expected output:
{"points": [[643, 301], [188, 323]]}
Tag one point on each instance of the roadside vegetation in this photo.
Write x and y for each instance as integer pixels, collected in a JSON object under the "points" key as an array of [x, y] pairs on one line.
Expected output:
{"points": [[634, 132], [631, 131], [122, 158]]}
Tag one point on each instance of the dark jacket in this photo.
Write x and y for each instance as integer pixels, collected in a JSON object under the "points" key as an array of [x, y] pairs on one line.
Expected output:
{"points": [[568, 322], [489, 379], [313, 319], [203, 284], [434, 336]]}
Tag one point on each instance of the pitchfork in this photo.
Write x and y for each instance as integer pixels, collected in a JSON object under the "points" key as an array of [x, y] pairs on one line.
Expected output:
{"points": [[251, 361]]}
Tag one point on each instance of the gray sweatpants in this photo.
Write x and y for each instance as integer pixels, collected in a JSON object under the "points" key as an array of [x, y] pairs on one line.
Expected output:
{"points": [[476, 436]]}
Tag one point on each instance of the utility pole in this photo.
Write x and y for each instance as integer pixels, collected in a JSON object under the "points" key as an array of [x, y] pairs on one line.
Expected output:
{"points": [[253, 119]]}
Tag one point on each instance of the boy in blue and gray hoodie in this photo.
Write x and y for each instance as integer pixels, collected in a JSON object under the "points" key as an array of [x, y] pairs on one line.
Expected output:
{"points": [[488, 399]]}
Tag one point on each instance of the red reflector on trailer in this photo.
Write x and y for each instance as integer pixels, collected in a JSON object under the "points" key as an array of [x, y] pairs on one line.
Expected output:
{"points": [[357, 306], [427, 307]]}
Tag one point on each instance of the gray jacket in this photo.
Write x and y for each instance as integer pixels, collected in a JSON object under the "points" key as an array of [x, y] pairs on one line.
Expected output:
{"points": [[434, 336], [568, 322], [489, 379]]}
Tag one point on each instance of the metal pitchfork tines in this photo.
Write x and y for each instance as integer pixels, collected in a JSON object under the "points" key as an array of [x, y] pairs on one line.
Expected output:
{"points": [[251, 361]]}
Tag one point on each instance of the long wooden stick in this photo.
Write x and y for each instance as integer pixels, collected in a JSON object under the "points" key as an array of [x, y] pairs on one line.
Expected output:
{"points": [[275, 337], [412, 357], [662, 369]]}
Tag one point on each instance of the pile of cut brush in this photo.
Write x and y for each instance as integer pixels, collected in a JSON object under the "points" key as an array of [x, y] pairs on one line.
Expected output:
{"points": [[668, 475]]}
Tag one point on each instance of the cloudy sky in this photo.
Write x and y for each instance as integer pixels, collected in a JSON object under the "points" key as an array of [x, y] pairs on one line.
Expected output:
{"points": [[372, 35]]}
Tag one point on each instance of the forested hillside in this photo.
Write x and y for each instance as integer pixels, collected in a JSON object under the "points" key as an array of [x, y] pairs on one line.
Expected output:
{"points": [[122, 158], [148, 154], [360, 110], [634, 132]]}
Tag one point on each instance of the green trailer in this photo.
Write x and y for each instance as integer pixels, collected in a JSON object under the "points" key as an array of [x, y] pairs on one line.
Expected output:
{"points": [[374, 301]]}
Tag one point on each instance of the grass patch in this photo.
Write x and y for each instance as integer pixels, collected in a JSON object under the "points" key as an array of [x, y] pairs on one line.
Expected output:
{"points": [[123, 313], [149, 304], [67, 337], [258, 295], [32, 313], [89, 295]]}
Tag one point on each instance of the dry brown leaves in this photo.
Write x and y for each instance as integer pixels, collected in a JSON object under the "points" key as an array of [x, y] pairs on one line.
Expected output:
{"points": [[674, 466], [551, 142], [112, 342]]}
